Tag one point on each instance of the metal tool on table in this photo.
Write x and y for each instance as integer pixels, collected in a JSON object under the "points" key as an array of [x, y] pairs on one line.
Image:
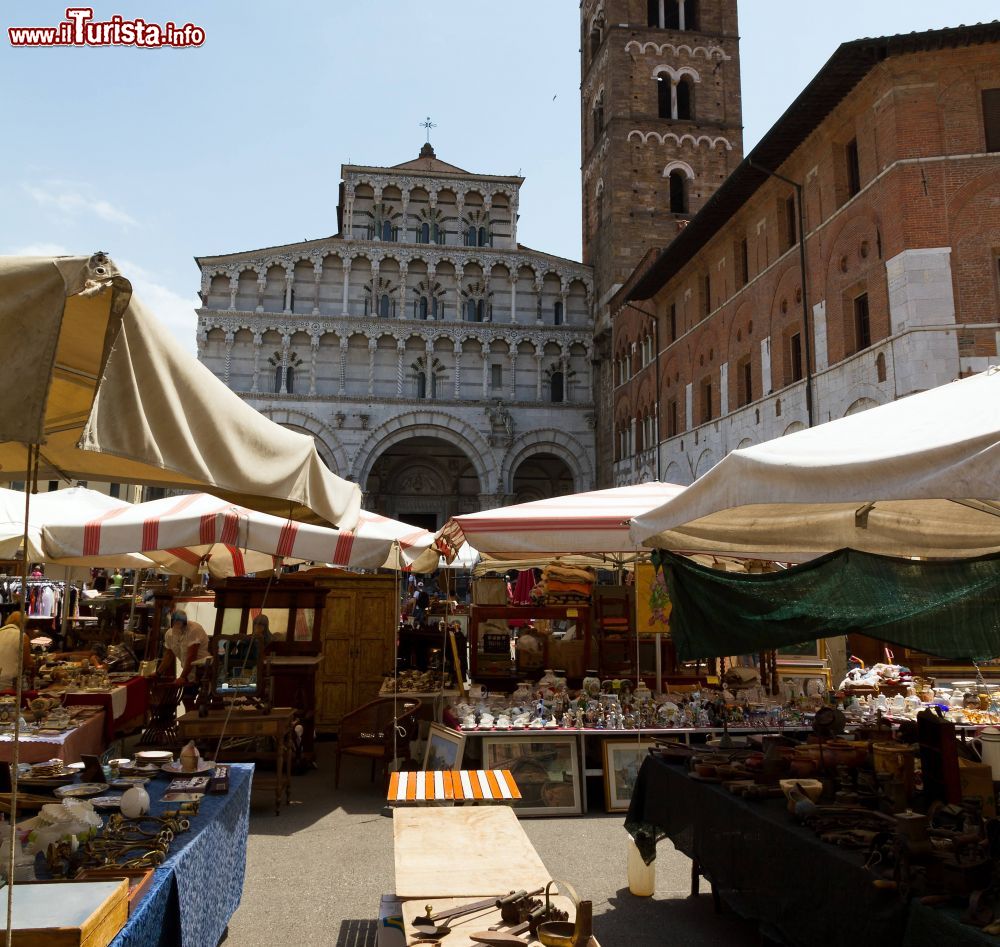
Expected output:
{"points": [[551, 933], [512, 910]]}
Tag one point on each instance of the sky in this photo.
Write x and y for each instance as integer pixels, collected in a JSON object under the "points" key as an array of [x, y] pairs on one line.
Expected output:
{"points": [[159, 155]]}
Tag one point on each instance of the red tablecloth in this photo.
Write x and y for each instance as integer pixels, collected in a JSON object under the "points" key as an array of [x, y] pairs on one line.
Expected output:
{"points": [[68, 746], [131, 704]]}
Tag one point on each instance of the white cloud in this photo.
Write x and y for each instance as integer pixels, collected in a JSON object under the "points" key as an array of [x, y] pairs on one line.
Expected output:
{"points": [[175, 311], [40, 249], [73, 202]]}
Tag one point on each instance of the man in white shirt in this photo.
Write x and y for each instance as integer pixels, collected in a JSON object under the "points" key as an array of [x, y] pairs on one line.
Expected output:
{"points": [[187, 642]]}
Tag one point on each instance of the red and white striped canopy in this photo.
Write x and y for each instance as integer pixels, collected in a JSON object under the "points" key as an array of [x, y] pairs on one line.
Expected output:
{"points": [[581, 524], [201, 533]]}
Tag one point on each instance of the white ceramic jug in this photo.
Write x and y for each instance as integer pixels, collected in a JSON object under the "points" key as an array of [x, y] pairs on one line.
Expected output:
{"points": [[988, 745]]}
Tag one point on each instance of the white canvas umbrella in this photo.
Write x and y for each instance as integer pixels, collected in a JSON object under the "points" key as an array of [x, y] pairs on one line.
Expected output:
{"points": [[96, 382], [588, 528], [198, 532], [917, 477]]}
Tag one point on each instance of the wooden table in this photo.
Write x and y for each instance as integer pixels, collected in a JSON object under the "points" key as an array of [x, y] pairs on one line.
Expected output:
{"points": [[447, 857], [463, 852], [231, 735], [460, 785]]}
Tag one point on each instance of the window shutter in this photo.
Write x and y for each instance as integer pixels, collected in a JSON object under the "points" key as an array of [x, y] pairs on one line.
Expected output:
{"points": [[991, 118]]}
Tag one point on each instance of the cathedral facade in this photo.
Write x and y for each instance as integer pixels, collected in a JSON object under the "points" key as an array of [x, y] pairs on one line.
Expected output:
{"points": [[438, 363]]}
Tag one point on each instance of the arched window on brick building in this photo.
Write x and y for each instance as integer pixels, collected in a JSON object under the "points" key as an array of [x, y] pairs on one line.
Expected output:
{"points": [[685, 98], [678, 192]]}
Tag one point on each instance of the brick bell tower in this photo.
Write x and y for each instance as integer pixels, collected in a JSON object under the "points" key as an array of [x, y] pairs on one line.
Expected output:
{"points": [[661, 129]]}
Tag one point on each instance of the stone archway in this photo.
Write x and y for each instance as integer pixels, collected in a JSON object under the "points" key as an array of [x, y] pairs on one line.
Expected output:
{"points": [[540, 476], [423, 480], [557, 443], [433, 424]]}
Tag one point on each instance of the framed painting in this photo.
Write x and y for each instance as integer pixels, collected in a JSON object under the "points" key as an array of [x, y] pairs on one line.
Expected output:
{"points": [[622, 760], [444, 748], [546, 770]]}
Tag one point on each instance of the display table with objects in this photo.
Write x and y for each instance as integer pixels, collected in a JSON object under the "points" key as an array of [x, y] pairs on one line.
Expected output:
{"points": [[247, 736], [123, 705], [38, 745], [196, 890], [766, 867]]}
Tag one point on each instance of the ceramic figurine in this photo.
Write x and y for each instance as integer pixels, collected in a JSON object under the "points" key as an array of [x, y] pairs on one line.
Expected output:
{"points": [[190, 758]]}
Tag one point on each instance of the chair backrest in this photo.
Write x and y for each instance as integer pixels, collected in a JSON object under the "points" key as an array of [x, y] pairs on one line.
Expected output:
{"points": [[372, 723], [164, 699]]}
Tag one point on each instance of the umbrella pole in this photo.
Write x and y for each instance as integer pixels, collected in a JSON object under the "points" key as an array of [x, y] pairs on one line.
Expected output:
{"points": [[29, 485]]}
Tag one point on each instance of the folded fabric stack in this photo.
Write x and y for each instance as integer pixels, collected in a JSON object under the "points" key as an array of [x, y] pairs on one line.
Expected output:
{"points": [[564, 585]]}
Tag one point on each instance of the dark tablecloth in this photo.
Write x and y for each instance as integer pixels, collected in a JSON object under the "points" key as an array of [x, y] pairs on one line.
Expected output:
{"points": [[942, 927], [197, 889], [801, 890]]}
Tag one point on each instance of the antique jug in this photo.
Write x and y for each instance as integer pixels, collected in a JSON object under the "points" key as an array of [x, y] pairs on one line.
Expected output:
{"points": [[988, 745]]}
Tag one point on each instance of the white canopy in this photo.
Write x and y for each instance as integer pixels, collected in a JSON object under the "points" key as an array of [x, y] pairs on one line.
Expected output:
{"points": [[96, 381], [202, 533], [53, 506], [591, 527], [917, 477]]}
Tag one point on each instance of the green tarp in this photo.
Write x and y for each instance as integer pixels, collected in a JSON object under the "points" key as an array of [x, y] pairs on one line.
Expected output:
{"points": [[946, 608]]}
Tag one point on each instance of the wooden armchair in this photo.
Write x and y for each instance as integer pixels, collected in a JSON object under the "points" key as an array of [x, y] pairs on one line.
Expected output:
{"points": [[368, 732]]}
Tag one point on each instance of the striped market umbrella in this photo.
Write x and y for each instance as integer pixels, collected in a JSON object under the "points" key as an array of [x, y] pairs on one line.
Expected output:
{"points": [[198, 533]]}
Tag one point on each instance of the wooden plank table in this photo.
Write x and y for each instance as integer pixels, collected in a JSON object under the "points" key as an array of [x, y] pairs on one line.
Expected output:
{"points": [[231, 731], [460, 785], [463, 852]]}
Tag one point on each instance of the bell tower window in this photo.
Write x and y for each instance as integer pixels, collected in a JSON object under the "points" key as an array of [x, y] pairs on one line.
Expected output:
{"points": [[678, 192], [663, 90], [685, 100]]}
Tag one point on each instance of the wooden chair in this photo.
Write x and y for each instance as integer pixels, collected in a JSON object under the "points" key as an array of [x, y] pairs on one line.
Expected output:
{"points": [[368, 732], [161, 730]]}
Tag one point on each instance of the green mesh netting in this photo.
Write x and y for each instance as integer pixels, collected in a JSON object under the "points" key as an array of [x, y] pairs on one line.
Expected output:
{"points": [[946, 608]]}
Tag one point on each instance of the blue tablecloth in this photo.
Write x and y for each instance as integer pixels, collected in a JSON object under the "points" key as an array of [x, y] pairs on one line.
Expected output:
{"points": [[197, 889]]}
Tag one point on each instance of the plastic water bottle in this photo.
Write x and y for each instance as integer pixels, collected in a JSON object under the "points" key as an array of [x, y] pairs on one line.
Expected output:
{"points": [[641, 877]]}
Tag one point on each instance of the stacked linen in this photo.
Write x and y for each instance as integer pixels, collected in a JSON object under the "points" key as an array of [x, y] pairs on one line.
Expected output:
{"points": [[564, 585]]}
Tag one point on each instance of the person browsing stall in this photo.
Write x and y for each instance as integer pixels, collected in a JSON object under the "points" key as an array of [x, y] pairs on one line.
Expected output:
{"points": [[187, 642], [11, 639]]}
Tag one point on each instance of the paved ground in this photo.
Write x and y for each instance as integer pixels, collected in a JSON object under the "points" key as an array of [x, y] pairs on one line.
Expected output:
{"points": [[316, 872]]}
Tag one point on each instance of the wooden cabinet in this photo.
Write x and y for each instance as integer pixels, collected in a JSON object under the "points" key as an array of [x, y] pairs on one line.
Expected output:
{"points": [[614, 628], [357, 642]]}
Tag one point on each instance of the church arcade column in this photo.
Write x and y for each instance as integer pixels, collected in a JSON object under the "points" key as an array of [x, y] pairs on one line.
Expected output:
{"points": [[538, 374], [372, 346], [285, 341], [459, 274], [261, 286], [346, 261], [513, 293], [313, 353], [403, 271], [258, 337], [400, 352], [343, 366], [458, 370], [317, 277], [229, 355], [234, 287]]}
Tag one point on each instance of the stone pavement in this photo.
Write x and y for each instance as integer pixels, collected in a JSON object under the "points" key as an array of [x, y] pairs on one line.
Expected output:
{"points": [[316, 872]]}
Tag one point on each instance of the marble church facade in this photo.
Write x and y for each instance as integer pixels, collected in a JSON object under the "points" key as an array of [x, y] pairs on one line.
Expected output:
{"points": [[437, 362]]}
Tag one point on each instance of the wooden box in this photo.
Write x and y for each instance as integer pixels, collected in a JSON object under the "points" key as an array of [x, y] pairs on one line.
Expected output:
{"points": [[68, 913], [140, 880], [976, 780]]}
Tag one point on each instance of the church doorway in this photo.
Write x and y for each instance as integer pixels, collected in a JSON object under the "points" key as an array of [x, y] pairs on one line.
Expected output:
{"points": [[540, 477], [423, 480]]}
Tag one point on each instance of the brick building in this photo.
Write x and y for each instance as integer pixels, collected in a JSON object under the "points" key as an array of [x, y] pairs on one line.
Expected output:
{"points": [[895, 148], [661, 129]]}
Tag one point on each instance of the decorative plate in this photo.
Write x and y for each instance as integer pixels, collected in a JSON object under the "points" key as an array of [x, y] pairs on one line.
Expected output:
{"points": [[127, 782], [106, 802], [80, 790], [175, 769], [154, 756]]}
